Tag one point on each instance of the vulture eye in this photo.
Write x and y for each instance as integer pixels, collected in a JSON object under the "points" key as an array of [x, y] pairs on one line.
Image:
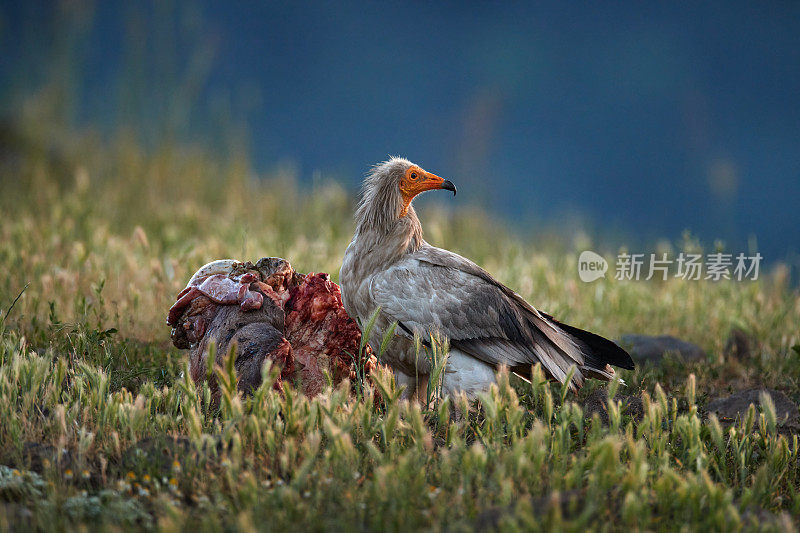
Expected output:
{"points": [[413, 175]]}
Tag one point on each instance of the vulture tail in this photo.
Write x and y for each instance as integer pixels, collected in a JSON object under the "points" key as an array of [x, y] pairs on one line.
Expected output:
{"points": [[600, 351]]}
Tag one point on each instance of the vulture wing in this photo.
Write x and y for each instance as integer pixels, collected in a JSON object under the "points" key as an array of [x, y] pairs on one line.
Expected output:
{"points": [[433, 289]]}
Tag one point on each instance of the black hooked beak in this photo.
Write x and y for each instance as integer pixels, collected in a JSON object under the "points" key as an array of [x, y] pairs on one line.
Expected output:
{"points": [[448, 186]]}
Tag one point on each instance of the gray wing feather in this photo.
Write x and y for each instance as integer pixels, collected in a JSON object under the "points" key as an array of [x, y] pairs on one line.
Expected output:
{"points": [[433, 289]]}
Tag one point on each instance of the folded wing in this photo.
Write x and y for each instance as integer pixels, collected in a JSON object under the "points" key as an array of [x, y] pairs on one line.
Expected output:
{"points": [[436, 290]]}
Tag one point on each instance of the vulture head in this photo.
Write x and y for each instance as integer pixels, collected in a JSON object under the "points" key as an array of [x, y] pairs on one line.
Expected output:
{"points": [[391, 186]]}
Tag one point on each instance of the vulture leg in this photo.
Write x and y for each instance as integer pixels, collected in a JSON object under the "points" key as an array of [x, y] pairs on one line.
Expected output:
{"points": [[416, 387]]}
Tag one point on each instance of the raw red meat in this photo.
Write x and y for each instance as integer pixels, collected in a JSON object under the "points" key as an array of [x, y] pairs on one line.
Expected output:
{"points": [[268, 311]]}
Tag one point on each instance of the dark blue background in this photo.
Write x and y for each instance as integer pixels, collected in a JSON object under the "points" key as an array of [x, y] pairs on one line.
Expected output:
{"points": [[648, 119]]}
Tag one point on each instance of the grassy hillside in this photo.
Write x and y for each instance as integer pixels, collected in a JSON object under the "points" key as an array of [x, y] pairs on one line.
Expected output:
{"points": [[100, 428]]}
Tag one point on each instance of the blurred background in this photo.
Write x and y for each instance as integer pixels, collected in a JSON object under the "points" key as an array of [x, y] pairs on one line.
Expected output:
{"points": [[628, 123]]}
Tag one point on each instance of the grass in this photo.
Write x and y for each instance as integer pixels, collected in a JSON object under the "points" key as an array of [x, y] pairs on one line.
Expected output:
{"points": [[101, 426]]}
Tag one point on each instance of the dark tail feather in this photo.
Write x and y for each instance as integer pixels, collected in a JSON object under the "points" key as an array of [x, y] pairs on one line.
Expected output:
{"points": [[601, 351]]}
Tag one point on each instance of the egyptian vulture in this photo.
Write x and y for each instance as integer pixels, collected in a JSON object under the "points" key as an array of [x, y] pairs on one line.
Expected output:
{"points": [[389, 266]]}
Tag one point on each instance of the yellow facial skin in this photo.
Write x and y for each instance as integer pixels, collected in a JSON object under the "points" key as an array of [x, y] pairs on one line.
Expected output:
{"points": [[416, 180]]}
